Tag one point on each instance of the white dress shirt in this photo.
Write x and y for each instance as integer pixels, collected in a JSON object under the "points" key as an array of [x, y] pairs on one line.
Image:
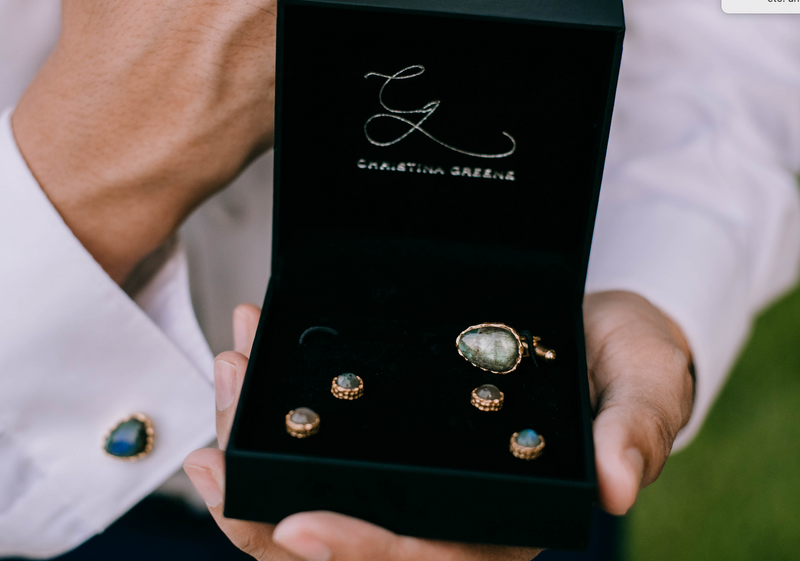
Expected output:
{"points": [[699, 213]]}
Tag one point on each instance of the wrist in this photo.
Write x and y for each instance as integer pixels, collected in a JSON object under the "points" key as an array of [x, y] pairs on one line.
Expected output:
{"points": [[115, 221], [122, 186]]}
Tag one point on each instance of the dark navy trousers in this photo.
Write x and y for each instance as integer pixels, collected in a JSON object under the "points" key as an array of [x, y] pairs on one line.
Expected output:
{"points": [[162, 529]]}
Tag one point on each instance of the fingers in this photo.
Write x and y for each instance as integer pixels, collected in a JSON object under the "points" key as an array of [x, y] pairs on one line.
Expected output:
{"points": [[327, 536], [642, 389], [206, 469], [230, 367], [245, 323], [229, 370]]}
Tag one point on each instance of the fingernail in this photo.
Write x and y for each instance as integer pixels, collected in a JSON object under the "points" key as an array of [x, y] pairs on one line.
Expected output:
{"points": [[635, 463], [304, 546], [205, 483], [224, 383]]}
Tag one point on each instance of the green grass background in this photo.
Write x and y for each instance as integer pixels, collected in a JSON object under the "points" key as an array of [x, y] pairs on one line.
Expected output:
{"points": [[734, 493]]}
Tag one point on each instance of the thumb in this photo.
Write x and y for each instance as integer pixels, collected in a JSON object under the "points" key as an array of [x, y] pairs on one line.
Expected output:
{"points": [[315, 536], [640, 415], [620, 462], [326, 536], [641, 383]]}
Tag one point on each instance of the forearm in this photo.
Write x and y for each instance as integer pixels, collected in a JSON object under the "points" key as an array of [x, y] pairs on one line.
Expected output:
{"points": [[130, 124]]}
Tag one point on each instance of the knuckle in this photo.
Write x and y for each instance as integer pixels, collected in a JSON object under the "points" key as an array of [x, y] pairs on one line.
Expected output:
{"points": [[250, 545], [401, 548], [661, 430]]}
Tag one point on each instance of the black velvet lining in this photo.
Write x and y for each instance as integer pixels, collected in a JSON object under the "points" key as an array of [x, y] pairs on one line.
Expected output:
{"points": [[416, 407]]}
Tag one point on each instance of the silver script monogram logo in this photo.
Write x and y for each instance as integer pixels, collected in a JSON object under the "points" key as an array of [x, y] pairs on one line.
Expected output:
{"points": [[426, 111]]}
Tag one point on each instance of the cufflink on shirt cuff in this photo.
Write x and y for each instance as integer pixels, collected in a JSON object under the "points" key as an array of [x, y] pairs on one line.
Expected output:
{"points": [[131, 439]]}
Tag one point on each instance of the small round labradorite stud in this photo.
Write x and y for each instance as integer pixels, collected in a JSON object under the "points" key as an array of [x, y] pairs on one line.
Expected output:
{"points": [[527, 444], [347, 386], [302, 422], [487, 398], [131, 439], [497, 348]]}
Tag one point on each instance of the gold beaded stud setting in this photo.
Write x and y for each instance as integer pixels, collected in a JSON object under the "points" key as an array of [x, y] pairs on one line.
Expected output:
{"points": [[487, 398], [347, 386], [526, 444], [302, 422]]}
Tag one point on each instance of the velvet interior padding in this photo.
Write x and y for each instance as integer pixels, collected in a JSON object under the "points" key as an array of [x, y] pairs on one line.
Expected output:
{"points": [[400, 262], [416, 408]]}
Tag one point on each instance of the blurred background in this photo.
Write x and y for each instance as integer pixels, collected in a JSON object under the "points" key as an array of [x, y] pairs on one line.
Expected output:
{"points": [[734, 493]]}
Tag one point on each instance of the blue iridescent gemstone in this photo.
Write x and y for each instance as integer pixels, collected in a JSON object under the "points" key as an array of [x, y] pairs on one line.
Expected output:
{"points": [[127, 439], [528, 438]]}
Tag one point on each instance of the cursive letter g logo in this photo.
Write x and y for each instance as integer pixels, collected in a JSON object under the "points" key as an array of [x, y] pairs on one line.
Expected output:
{"points": [[426, 111]]}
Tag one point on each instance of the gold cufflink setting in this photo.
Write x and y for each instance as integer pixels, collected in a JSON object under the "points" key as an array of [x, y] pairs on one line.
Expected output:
{"points": [[131, 439], [498, 348], [492, 347]]}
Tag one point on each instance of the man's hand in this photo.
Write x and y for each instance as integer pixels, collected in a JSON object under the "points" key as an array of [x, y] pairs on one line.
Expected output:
{"points": [[641, 390], [313, 536], [143, 110]]}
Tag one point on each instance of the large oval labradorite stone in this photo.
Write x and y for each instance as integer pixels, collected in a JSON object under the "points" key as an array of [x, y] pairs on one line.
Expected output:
{"points": [[128, 439], [492, 348], [348, 381], [528, 438]]}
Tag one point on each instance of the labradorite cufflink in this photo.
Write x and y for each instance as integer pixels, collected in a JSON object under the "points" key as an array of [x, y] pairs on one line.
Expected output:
{"points": [[497, 348], [131, 439]]}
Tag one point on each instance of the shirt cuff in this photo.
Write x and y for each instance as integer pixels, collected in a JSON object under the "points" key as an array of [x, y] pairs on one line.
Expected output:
{"points": [[78, 355]]}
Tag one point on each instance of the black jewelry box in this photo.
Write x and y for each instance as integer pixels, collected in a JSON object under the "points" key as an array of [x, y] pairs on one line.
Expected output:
{"points": [[437, 165]]}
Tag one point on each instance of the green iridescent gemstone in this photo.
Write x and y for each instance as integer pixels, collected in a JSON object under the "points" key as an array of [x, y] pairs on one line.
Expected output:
{"points": [[348, 381], [493, 348]]}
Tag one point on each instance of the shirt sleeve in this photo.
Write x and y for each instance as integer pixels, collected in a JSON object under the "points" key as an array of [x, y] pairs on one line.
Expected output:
{"points": [[77, 355], [699, 209]]}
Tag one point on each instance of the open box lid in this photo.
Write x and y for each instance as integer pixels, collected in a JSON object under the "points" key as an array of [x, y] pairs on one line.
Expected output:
{"points": [[426, 159], [386, 232], [438, 165]]}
